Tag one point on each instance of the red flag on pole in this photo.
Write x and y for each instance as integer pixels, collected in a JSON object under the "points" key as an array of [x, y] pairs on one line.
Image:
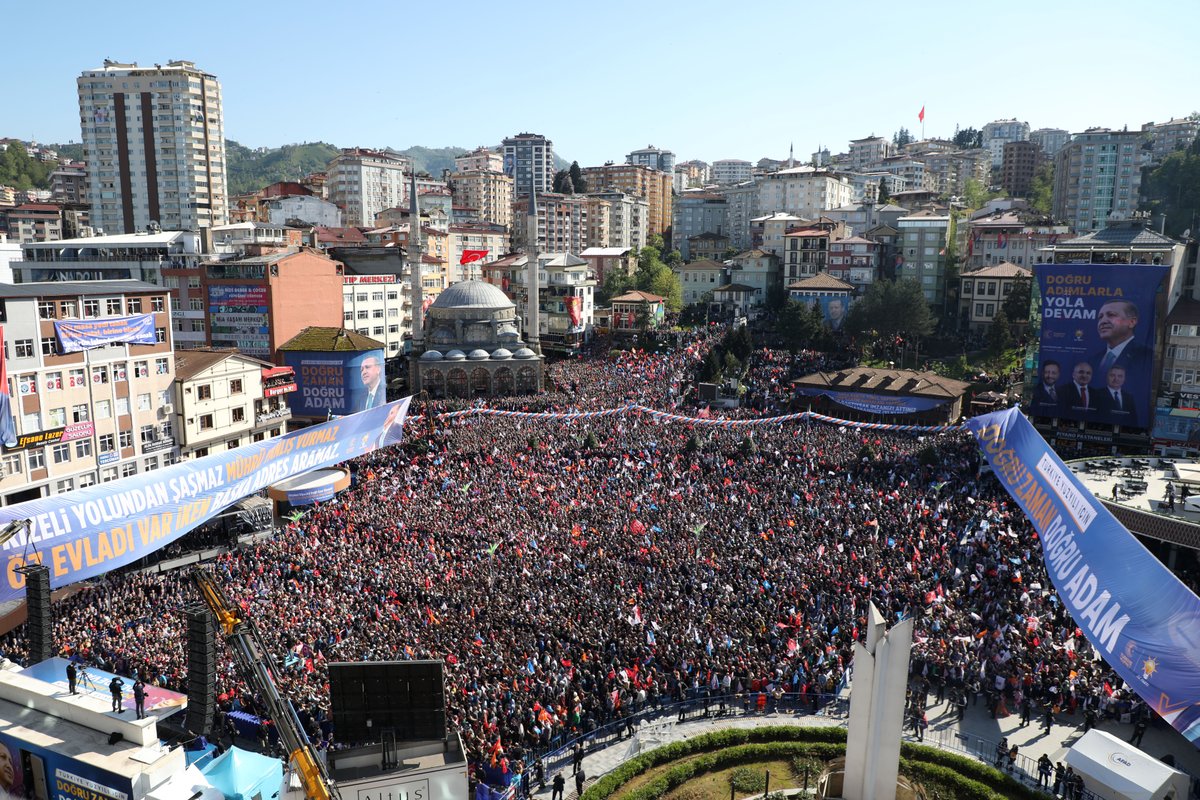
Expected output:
{"points": [[921, 116], [470, 256]]}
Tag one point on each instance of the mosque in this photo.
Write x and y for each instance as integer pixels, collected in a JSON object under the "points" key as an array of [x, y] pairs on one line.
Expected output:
{"points": [[473, 346]]}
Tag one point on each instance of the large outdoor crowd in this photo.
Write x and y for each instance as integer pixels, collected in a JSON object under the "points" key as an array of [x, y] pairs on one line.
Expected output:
{"points": [[571, 573]]}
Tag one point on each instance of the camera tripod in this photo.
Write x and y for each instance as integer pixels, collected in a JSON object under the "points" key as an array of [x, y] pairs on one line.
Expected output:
{"points": [[83, 679]]}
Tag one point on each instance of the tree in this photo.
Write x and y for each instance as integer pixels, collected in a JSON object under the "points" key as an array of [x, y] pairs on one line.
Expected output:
{"points": [[674, 259], [616, 283], [577, 181], [1000, 334], [902, 137], [656, 241], [562, 182], [883, 195], [666, 285], [1016, 305], [975, 195], [968, 139], [795, 325], [892, 308], [1041, 191], [1173, 189]]}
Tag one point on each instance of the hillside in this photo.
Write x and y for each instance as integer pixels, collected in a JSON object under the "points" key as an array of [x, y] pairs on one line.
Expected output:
{"points": [[250, 170]]}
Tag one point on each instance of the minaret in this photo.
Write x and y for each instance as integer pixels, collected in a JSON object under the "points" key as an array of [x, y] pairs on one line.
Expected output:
{"points": [[791, 155], [532, 335], [415, 289]]}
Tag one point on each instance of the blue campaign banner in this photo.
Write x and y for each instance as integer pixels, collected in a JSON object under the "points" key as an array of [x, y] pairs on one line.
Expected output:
{"points": [[874, 403], [84, 334], [1140, 618], [90, 531], [834, 308], [335, 382], [1096, 358]]}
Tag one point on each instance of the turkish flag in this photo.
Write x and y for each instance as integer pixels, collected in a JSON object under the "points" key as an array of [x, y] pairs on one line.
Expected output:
{"points": [[921, 116], [471, 256]]}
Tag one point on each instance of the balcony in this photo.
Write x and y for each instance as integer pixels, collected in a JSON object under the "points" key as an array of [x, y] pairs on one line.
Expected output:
{"points": [[280, 413]]}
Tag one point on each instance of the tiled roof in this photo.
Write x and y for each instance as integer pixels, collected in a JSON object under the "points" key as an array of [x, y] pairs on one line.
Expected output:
{"points": [[704, 263], [887, 381], [823, 281], [193, 362], [1122, 236], [330, 340], [638, 296], [1004, 269]]}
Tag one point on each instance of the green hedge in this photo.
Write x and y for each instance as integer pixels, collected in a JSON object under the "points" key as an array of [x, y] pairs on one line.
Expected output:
{"points": [[945, 776]]}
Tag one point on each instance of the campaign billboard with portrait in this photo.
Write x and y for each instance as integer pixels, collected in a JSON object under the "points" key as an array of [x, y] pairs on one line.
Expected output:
{"points": [[336, 383], [1096, 357]]}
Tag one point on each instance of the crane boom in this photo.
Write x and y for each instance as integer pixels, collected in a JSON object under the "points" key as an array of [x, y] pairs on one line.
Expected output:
{"points": [[258, 670]]}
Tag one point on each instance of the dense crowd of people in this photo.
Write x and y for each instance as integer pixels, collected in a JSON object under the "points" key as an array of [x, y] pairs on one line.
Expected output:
{"points": [[569, 573]]}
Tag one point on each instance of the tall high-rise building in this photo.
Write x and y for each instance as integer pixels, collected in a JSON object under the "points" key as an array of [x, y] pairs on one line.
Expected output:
{"points": [[652, 185], [654, 158], [998, 132], [1096, 178], [529, 157], [365, 182], [1051, 140], [154, 143]]}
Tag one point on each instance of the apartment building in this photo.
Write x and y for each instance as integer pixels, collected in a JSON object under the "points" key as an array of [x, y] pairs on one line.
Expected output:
{"points": [[699, 278], [529, 160], [804, 191], [651, 185], [489, 193], [69, 184], [481, 159], [867, 153], [998, 132], [35, 222], [855, 260], [1050, 140], [364, 182], [741, 206], [628, 220], [154, 142], [378, 306], [1096, 178], [489, 238], [563, 223], [696, 213], [728, 171], [91, 416], [694, 174], [224, 400], [654, 158], [1021, 162], [924, 237], [1009, 236], [1167, 137], [983, 292]]}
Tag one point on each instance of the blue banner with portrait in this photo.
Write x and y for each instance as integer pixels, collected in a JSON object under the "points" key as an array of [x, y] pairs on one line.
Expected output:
{"points": [[335, 382], [1096, 357], [84, 334], [90, 531], [1140, 618], [874, 403], [834, 308]]}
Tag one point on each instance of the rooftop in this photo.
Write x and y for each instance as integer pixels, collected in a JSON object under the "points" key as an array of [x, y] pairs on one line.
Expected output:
{"points": [[1140, 504], [605, 252], [704, 263], [189, 363], [822, 281], [77, 288], [887, 381], [330, 340], [1004, 269], [638, 296], [118, 240], [1133, 235]]}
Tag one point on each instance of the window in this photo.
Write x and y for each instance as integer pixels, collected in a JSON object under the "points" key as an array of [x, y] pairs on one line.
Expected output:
{"points": [[23, 348], [103, 409], [156, 303], [122, 406], [68, 308], [361, 297], [196, 326], [134, 304], [61, 453], [235, 386], [27, 384], [112, 306], [193, 281], [79, 413], [364, 314], [147, 434], [86, 481], [160, 335], [204, 392], [347, 316], [119, 372], [108, 474], [377, 331], [99, 374], [201, 452], [169, 459], [166, 429], [46, 310], [979, 309], [238, 414], [37, 459], [57, 417], [53, 381], [151, 464], [63, 486], [83, 448], [141, 369], [143, 401], [990, 310], [49, 346], [206, 422], [161, 366], [126, 439], [107, 443], [91, 308], [13, 464]]}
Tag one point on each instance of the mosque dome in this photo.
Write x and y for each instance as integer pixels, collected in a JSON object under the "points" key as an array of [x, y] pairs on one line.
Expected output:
{"points": [[472, 294], [431, 355], [501, 353], [524, 352], [478, 355], [455, 355]]}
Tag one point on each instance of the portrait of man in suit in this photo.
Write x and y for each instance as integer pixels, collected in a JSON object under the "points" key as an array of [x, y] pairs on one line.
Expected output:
{"points": [[1114, 399], [1116, 323], [392, 429], [1078, 396], [371, 373], [837, 313], [1046, 393]]}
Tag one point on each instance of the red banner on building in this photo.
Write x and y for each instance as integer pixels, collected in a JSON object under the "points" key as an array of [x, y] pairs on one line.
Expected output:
{"points": [[574, 309]]}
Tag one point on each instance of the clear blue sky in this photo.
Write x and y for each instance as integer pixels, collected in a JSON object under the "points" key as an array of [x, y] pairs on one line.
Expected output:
{"points": [[705, 79]]}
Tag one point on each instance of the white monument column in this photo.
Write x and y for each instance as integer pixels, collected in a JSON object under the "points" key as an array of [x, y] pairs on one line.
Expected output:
{"points": [[877, 693]]}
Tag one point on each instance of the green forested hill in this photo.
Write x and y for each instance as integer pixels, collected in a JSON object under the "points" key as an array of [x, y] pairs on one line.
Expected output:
{"points": [[250, 170]]}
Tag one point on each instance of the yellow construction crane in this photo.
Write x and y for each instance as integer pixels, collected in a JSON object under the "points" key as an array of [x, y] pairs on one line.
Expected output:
{"points": [[257, 669]]}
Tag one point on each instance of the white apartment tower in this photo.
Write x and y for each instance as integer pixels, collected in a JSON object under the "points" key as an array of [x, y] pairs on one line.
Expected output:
{"points": [[364, 182], [154, 143]]}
